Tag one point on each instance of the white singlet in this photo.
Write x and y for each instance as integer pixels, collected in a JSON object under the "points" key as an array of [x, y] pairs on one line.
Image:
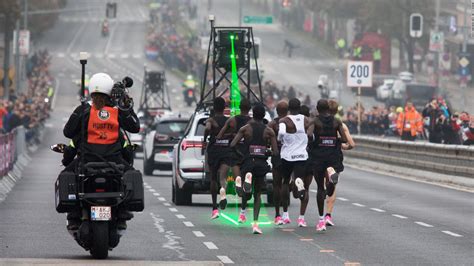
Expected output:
{"points": [[294, 144]]}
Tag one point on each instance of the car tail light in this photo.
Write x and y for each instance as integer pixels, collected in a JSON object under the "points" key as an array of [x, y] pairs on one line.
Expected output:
{"points": [[186, 144], [161, 137]]}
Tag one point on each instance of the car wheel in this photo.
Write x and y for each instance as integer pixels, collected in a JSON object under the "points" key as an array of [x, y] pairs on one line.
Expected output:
{"points": [[182, 196]]}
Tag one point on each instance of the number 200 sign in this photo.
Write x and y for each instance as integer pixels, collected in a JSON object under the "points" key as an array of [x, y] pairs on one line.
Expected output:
{"points": [[359, 74]]}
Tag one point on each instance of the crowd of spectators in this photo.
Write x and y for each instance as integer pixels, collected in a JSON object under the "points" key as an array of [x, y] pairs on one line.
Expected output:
{"points": [[31, 108]]}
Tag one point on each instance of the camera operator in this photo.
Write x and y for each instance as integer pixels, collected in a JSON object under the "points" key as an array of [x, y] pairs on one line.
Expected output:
{"points": [[102, 122]]}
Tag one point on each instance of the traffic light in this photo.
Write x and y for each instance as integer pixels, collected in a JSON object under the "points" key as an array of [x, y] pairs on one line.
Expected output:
{"points": [[228, 39], [416, 25], [154, 81], [286, 3], [111, 10]]}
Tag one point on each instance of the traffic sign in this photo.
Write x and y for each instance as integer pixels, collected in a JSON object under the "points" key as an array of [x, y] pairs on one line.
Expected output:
{"points": [[464, 62], [258, 19], [359, 74], [436, 41], [23, 42]]}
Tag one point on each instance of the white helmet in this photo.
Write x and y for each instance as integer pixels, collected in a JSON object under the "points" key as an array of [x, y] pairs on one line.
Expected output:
{"points": [[101, 83]]}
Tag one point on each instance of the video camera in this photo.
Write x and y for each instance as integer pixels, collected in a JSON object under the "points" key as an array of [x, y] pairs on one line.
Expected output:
{"points": [[120, 96]]}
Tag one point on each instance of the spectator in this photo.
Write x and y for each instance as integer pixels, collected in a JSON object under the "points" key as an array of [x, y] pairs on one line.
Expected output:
{"points": [[409, 123], [431, 114]]}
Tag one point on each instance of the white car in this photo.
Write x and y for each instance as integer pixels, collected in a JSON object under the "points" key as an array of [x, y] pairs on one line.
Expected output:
{"points": [[189, 173], [383, 91]]}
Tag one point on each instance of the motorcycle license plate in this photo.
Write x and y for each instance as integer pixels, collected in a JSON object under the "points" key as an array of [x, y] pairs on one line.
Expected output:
{"points": [[101, 213]]}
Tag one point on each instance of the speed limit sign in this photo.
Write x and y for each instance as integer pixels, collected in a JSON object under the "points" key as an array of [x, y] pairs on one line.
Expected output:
{"points": [[359, 74]]}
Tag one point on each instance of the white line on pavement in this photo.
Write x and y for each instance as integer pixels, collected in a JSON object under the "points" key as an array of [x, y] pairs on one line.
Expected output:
{"points": [[173, 210], [156, 194], [451, 233], [161, 199], [399, 216], [151, 190], [61, 55], [180, 216], [377, 210], [198, 234], [188, 224], [342, 199], [147, 186], [358, 204], [225, 259], [210, 245], [423, 224], [124, 56], [313, 190], [167, 204]]}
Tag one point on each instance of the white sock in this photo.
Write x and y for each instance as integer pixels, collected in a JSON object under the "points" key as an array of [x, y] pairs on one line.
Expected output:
{"points": [[243, 211], [301, 217], [285, 215], [321, 218]]}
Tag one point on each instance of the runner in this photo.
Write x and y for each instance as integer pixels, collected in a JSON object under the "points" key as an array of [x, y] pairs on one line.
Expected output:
{"points": [[331, 186], [325, 152], [292, 134], [282, 111], [218, 157], [256, 136]]}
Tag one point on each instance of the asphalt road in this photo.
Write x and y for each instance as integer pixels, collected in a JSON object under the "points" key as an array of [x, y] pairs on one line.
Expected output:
{"points": [[379, 219]]}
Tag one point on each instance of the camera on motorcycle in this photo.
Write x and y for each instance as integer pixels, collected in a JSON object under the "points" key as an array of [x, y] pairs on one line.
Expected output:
{"points": [[59, 148], [135, 147]]}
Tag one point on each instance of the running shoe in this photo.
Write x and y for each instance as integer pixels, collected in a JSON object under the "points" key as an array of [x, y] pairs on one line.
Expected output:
{"points": [[223, 201], [215, 214], [242, 218], [256, 230], [321, 226], [238, 186], [328, 220], [333, 175], [248, 183], [300, 188], [278, 220], [301, 222], [286, 221]]}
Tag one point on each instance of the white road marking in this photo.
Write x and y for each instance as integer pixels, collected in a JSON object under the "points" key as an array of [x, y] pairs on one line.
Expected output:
{"points": [[124, 56], [99, 55], [111, 55], [156, 194], [61, 55], [180, 216], [399, 216], [173, 210], [188, 224], [166, 204], [147, 186], [225, 259], [152, 190], [377, 210], [342, 199], [137, 56], [423, 224], [48, 125], [210, 245], [161, 199], [358, 204], [451, 233], [198, 234]]}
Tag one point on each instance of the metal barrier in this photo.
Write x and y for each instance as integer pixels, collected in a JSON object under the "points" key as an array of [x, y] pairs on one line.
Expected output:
{"points": [[7, 152], [447, 159]]}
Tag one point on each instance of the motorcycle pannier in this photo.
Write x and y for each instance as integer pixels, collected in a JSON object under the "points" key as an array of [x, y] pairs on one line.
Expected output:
{"points": [[133, 182], [66, 192]]}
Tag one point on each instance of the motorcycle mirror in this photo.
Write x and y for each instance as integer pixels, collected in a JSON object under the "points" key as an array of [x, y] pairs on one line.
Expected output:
{"points": [[59, 148], [128, 82]]}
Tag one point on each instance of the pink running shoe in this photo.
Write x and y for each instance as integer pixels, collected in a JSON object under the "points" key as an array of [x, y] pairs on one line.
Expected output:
{"points": [[278, 220], [321, 226], [301, 222], [215, 214], [328, 220], [256, 230], [286, 221], [242, 218]]}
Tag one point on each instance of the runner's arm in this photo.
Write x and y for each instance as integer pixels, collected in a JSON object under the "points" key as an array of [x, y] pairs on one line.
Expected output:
{"points": [[350, 141], [273, 141], [228, 124], [310, 131], [238, 137]]}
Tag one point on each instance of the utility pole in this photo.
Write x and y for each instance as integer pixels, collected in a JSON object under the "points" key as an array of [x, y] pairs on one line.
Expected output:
{"points": [[6, 61], [240, 13], [436, 62], [464, 50], [17, 58]]}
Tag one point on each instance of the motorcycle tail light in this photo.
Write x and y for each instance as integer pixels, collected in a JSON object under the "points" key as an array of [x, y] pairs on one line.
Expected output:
{"points": [[190, 93], [99, 190], [186, 144]]}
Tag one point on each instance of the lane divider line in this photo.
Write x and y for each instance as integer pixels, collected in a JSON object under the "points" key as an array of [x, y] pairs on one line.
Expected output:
{"points": [[225, 259], [210, 245], [180, 216], [423, 224], [152, 190], [161, 199], [188, 224], [451, 233], [198, 234], [156, 194], [342, 199], [358, 204], [173, 210], [167, 204], [399, 216], [377, 210]]}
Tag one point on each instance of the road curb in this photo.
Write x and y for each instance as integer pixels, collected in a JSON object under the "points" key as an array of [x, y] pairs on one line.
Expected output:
{"points": [[454, 182]]}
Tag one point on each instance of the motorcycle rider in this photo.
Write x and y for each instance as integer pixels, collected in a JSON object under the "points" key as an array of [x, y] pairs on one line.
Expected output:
{"points": [[102, 134]]}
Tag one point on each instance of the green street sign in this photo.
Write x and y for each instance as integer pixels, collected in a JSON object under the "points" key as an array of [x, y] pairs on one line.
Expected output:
{"points": [[258, 19]]}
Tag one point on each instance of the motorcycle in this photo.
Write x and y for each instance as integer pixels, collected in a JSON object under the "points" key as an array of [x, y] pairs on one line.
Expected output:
{"points": [[189, 96], [101, 194], [105, 31]]}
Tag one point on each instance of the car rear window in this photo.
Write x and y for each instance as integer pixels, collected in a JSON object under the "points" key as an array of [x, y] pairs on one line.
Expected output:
{"points": [[174, 128], [420, 91]]}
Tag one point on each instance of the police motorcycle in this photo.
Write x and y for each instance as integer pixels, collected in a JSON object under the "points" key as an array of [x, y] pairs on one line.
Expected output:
{"points": [[323, 88], [189, 86], [105, 29], [101, 190]]}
